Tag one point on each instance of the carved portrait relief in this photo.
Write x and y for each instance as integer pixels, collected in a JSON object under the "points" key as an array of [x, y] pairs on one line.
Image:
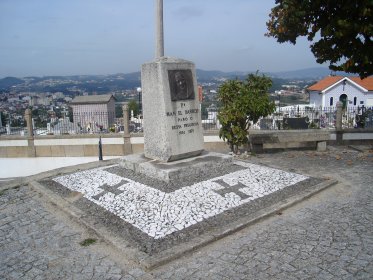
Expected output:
{"points": [[181, 84]]}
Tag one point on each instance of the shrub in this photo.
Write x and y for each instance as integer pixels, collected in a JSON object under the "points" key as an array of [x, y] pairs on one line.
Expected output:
{"points": [[243, 102]]}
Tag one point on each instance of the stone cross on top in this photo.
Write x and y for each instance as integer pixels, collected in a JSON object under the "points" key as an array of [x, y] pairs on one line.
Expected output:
{"points": [[159, 34]]}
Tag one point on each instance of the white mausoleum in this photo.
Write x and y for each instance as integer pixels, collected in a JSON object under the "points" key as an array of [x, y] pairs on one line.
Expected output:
{"points": [[351, 91]]}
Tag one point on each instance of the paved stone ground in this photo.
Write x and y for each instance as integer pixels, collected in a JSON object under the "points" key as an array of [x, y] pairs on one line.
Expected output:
{"points": [[328, 236], [36, 244]]}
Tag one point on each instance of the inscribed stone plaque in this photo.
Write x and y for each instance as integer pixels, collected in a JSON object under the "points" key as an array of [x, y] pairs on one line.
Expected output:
{"points": [[172, 115], [181, 84]]}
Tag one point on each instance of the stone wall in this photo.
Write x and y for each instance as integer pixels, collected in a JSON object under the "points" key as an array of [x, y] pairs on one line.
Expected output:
{"points": [[85, 145], [354, 136], [116, 144]]}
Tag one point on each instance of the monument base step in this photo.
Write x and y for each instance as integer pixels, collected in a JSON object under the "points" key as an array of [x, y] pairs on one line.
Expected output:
{"points": [[175, 170]]}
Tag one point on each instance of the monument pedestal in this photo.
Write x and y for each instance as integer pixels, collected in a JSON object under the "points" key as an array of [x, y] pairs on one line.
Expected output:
{"points": [[172, 117], [173, 134], [176, 170]]}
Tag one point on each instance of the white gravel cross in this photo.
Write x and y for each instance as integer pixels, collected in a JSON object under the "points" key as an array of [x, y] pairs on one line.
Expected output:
{"points": [[159, 214]]}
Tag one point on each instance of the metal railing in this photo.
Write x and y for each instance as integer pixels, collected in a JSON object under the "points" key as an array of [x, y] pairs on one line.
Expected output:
{"points": [[357, 117], [8, 130], [304, 117], [297, 117], [291, 117]]}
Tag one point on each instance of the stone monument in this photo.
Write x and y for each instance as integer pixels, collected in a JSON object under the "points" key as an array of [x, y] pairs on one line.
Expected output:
{"points": [[172, 117], [173, 134]]}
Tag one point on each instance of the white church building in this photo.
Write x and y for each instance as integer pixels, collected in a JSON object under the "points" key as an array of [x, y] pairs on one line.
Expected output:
{"points": [[351, 91]]}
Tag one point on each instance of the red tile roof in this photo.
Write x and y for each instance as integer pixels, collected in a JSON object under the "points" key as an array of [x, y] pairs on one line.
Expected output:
{"points": [[366, 83]]}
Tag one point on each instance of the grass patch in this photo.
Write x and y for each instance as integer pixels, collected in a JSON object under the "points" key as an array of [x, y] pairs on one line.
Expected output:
{"points": [[87, 242], [2, 192]]}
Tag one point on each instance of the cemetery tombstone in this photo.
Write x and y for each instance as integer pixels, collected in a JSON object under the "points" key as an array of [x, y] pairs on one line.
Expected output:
{"points": [[369, 119]]}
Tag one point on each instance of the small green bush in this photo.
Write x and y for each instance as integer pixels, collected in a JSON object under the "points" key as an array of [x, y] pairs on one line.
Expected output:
{"points": [[243, 102]]}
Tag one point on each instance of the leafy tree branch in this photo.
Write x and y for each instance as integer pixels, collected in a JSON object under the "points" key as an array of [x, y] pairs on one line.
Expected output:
{"points": [[341, 31]]}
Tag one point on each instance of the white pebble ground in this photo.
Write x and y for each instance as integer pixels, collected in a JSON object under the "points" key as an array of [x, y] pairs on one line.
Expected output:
{"points": [[159, 214]]}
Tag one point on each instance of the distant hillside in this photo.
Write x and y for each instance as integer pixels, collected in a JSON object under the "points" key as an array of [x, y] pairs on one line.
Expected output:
{"points": [[10, 82], [120, 81], [308, 73], [204, 75], [135, 76]]}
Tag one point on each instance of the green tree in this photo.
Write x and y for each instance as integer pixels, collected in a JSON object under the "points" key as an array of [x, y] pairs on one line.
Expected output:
{"points": [[133, 105], [341, 31], [242, 102], [4, 119], [118, 111], [71, 114], [40, 117]]}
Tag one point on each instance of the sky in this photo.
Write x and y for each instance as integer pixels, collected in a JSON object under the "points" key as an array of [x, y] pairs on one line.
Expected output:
{"points": [[98, 37]]}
